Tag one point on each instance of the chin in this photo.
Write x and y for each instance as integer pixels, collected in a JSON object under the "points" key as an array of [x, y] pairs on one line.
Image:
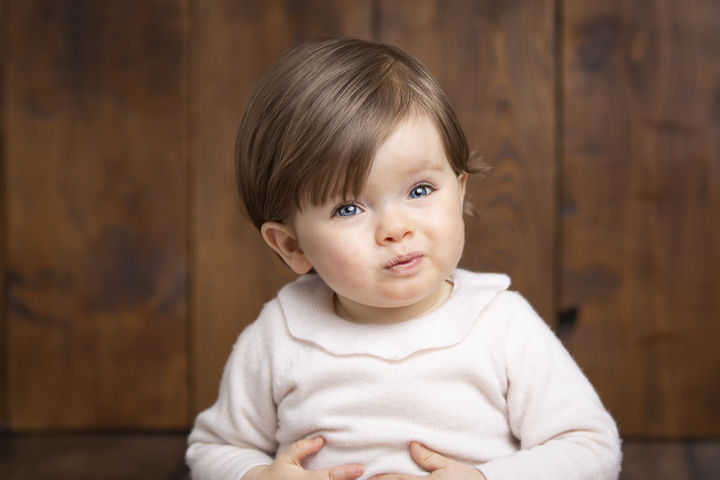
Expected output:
{"points": [[408, 299]]}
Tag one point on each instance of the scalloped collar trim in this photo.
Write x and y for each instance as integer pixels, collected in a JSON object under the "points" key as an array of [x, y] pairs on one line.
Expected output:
{"points": [[307, 305]]}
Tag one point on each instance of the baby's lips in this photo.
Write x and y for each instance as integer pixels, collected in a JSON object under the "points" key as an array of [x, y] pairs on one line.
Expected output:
{"points": [[400, 259]]}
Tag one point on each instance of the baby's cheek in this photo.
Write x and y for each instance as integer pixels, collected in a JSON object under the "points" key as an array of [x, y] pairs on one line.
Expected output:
{"points": [[341, 262], [322, 249], [344, 251], [449, 231]]}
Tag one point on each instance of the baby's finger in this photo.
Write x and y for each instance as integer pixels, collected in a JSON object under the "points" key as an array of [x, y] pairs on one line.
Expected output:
{"points": [[301, 449], [346, 472], [427, 458]]}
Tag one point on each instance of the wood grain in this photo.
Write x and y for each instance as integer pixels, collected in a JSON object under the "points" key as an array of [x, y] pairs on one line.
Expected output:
{"points": [[495, 61], [96, 173], [3, 226], [640, 208], [93, 456], [234, 273], [117, 134]]}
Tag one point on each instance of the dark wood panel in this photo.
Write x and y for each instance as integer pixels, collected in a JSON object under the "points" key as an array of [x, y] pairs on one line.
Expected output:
{"points": [[495, 61], [96, 109], [3, 225], [93, 456], [641, 198], [234, 273], [690, 460]]}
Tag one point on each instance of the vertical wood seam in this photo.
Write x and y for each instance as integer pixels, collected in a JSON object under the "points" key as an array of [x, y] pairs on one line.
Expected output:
{"points": [[190, 142], [4, 330], [558, 145]]}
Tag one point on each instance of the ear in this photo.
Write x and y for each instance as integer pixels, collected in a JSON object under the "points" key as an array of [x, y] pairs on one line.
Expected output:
{"points": [[283, 240], [462, 179], [467, 207]]}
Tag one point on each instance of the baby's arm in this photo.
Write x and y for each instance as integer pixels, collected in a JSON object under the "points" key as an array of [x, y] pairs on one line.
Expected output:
{"points": [[563, 429], [235, 438], [238, 431]]}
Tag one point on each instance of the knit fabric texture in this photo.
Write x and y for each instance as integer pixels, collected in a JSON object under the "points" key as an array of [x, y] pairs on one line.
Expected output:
{"points": [[481, 380]]}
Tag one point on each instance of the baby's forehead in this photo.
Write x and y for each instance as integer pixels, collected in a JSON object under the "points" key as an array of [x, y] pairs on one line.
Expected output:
{"points": [[413, 146], [416, 141]]}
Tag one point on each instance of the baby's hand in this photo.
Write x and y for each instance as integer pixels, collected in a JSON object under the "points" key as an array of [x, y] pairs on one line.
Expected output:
{"points": [[287, 465], [440, 468]]}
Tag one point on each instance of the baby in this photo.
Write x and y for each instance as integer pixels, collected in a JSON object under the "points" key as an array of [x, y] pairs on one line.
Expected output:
{"points": [[384, 360]]}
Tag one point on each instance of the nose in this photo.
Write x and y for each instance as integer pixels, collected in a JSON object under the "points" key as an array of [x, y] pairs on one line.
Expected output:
{"points": [[393, 226]]}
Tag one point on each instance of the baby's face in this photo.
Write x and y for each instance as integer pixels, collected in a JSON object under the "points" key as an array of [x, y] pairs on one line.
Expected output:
{"points": [[391, 248]]}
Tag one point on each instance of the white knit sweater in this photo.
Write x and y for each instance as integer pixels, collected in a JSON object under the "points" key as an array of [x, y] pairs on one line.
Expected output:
{"points": [[482, 380]]}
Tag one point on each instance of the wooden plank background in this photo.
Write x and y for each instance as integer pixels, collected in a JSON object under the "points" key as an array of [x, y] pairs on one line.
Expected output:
{"points": [[641, 196], [96, 201], [3, 227], [129, 271]]}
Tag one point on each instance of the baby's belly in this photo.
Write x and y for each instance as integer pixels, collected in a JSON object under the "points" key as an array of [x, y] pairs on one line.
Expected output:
{"points": [[369, 410], [375, 428], [386, 448]]}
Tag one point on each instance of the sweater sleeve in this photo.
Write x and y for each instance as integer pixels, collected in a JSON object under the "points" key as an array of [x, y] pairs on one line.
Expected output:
{"points": [[562, 427], [238, 432]]}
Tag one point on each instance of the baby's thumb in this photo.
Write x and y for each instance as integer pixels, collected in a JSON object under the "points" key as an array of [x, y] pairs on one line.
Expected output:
{"points": [[301, 449], [427, 458]]}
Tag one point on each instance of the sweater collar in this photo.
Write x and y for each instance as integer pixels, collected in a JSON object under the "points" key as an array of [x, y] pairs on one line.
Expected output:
{"points": [[307, 306]]}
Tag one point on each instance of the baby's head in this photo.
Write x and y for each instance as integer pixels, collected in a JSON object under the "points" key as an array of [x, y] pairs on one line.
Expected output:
{"points": [[315, 120], [351, 162]]}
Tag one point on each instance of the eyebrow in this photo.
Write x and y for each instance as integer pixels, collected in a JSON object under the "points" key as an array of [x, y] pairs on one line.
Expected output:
{"points": [[429, 165]]}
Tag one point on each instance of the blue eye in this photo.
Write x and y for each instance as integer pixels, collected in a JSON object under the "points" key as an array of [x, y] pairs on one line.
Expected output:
{"points": [[421, 191], [347, 210]]}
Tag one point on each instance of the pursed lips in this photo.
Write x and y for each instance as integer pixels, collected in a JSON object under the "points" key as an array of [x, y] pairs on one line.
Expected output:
{"points": [[403, 262]]}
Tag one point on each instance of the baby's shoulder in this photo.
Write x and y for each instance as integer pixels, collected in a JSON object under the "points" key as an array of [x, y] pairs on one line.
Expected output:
{"points": [[263, 332], [498, 307], [488, 294]]}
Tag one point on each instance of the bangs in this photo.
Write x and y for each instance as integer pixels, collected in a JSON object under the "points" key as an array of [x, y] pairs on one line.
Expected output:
{"points": [[343, 168]]}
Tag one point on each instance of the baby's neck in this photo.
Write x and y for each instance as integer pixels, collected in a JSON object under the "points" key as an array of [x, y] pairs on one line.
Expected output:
{"points": [[365, 314]]}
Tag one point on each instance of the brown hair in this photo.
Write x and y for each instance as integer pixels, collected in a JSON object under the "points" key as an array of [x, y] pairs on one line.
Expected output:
{"points": [[315, 120]]}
